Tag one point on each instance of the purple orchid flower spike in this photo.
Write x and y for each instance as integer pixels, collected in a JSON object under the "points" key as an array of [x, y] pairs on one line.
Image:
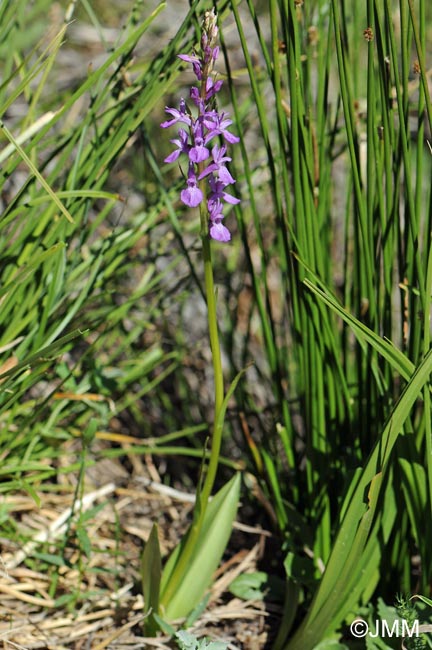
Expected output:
{"points": [[198, 131]]}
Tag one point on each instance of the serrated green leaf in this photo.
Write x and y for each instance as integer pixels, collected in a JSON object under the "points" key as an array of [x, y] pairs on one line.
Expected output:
{"points": [[250, 586], [186, 641]]}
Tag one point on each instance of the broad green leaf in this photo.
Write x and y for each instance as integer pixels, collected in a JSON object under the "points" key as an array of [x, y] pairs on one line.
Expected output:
{"points": [[168, 629], [151, 570], [211, 544]]}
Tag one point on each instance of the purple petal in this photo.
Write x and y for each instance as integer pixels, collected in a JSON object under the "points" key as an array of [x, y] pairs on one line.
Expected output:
{"points": [[219, 232], [214, 207], [187, 58], [191, 196], [173, 156], [168, 123], [230, 199], [177, 115], [230, 137], [225, 176], [208, 170], [196, 64], [198, 154]]}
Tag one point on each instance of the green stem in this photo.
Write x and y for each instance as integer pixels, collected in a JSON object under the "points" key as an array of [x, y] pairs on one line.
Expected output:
{"points": [[204, 495], [217, 371]]}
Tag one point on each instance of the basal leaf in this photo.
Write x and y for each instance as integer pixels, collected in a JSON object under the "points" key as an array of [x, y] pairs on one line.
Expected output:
{"points": [[210, 546]]}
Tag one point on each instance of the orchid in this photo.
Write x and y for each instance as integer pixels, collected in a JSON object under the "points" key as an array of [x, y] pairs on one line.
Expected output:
{"points": [[206, 179]]}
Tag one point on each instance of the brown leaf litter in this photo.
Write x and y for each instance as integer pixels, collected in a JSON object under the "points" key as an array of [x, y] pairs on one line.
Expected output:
{"points": [[93, 601]]}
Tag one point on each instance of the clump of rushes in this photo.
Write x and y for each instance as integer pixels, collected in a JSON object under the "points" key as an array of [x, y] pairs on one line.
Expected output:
{"points": [[207, 174]]}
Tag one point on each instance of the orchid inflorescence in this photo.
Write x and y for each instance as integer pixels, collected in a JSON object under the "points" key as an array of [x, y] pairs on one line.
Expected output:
{"points": [[209, 123]]}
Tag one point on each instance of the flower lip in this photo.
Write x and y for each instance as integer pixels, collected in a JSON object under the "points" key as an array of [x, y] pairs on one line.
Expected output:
{"points": [[219, 232], [191, 195]]}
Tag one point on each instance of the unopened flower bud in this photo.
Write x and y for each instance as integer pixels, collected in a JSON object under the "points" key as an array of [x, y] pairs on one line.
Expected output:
{"points": [[210, 28]]}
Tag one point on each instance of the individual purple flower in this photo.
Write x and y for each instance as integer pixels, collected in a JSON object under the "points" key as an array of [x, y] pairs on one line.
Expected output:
{"points": [[199, 152], [180, 115], [212, 87], [183, 146], [195, 96], [218, 125], [196, 64], [219, 158], [217, 230], [191, 195], [218, 192], [200, 129]]}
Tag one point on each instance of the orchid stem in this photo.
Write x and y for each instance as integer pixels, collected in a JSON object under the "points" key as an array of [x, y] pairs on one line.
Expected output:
{"points": [[216, 440]]}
